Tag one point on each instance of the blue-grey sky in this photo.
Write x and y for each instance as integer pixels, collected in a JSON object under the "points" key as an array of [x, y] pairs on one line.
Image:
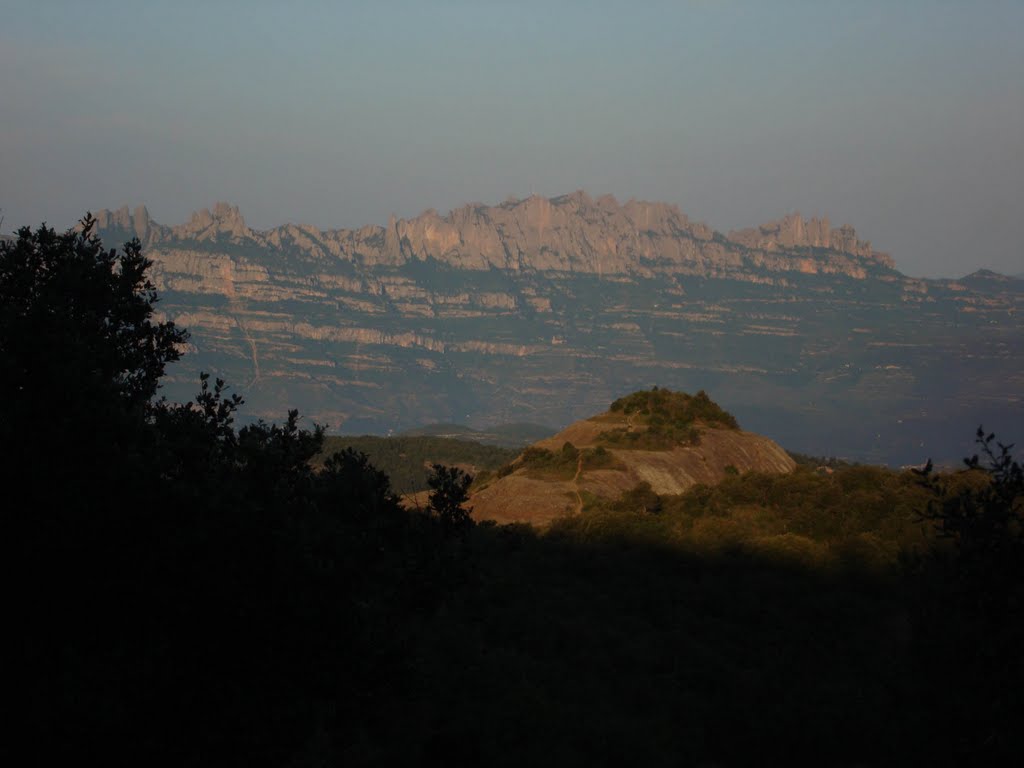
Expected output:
{"points": [[905, 119]]}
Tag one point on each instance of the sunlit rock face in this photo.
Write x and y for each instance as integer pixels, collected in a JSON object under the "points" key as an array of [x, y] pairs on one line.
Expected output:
{"points": [[572, 233], [546, 309]]}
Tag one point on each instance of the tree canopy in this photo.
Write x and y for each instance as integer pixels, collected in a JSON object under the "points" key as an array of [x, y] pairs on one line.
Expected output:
{"points": [[77, 319], [169, 572]]}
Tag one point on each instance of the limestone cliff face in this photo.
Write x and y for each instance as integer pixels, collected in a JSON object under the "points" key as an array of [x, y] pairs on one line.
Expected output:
{"points": [[793, 232], [131, 223], [222, 224], [572, 233]]}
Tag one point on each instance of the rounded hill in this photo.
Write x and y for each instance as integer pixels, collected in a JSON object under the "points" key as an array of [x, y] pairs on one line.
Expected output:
{"points": [[668, 440]]}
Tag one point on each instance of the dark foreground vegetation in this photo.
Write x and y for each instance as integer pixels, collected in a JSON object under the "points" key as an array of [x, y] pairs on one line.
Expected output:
{"points": [[182, 592]]}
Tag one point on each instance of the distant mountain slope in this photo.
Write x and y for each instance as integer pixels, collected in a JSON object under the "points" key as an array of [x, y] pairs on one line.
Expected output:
{"points": [[609, 454], [542, 310], [988, 281]]}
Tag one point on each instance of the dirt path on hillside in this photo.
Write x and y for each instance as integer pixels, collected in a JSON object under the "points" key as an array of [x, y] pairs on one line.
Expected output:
{"points": [[579, 471], [576, 485]]}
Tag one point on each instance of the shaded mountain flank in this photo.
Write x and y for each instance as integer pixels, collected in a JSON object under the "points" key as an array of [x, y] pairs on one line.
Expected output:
{"points": [[657, 441], [543, 310]]}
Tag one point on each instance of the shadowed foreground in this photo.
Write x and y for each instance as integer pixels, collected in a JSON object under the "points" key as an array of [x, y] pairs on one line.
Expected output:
{"points": [[185, 593]]}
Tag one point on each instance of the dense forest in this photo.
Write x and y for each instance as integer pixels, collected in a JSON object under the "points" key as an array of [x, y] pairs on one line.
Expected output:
{"points": [[186, 592]]}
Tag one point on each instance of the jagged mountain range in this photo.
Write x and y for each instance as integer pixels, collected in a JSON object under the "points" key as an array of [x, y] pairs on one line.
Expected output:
{"points": [[544, 310], [572, 233]]}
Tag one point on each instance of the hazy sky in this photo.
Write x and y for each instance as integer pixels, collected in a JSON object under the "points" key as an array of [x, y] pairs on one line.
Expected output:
{"points": [[905, 119]]}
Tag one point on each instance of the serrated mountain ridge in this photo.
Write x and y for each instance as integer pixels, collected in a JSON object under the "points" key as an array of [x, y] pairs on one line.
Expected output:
{"points": [[570, 233]]}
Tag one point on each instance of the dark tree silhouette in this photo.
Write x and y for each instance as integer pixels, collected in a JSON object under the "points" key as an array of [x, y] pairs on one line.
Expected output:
{"points": [[986, 524], [81, 356], [77, 317], [969, 615], [449, 492], [169, 574]]}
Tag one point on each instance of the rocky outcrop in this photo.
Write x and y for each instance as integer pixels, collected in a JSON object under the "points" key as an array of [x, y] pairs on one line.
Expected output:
{"points": [[125, 224], [224, 222], [792, 231]]}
